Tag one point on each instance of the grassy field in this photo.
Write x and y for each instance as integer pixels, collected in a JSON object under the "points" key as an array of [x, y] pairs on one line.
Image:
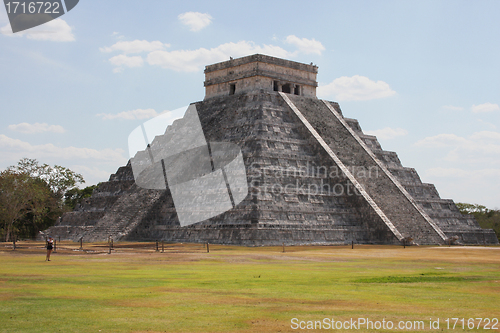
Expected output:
{"points": [[239, 289]]}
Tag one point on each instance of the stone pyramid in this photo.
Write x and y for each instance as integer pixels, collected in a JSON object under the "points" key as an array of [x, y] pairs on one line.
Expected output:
{"points": [[313, 176]]}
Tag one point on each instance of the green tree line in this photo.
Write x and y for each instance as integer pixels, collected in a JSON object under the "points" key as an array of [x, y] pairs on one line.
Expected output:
{"points": [[487, 218], [34, 195]]}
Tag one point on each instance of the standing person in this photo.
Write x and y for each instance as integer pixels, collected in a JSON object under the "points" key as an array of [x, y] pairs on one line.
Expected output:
{"points": [[50, 247]]}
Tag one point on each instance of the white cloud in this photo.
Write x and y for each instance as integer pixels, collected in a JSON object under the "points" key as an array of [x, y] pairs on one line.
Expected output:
{"points": [[123, 60], [307, 46], [130, 115], [116, 35], [441, 141], [92, 175], [478, 186], [355, 88], [467, 168], [478, 148], [195, 21], [454, 172], [486, 107], [194, 60], [7, 30], [453, 108], [14, 149], [55, 31], [487, 124], [36, 128], [388, 133], [135, 46]]}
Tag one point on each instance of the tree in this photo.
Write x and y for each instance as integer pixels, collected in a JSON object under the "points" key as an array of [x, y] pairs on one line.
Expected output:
{"points": [[466, 208], [44, 209], [58, 178], [13, 200], [31, 196], [75, 196]]}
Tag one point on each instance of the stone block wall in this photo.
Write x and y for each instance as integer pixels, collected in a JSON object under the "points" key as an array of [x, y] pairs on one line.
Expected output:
{"points": [[256, 72]]}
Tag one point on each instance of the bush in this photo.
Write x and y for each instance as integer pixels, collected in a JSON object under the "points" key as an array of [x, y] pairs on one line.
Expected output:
{"points": [[487, 218]]}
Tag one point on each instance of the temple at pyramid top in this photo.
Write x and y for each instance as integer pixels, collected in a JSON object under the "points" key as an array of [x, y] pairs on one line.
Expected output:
{"points": [[260, 72]]}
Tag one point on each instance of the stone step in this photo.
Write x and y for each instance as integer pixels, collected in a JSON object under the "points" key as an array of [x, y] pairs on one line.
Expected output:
{"points": [[406, 216]]}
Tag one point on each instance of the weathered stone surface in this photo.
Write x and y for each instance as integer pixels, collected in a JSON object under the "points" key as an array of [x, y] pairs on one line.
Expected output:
{"points": [[315, 180], [259, 71]]}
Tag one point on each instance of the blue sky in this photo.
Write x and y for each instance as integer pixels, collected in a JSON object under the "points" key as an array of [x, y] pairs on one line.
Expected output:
{"points": [[424, 76]]}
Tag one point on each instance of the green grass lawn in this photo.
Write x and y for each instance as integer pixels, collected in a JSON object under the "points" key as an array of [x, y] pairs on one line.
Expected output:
{"points": [[239, 289]]}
